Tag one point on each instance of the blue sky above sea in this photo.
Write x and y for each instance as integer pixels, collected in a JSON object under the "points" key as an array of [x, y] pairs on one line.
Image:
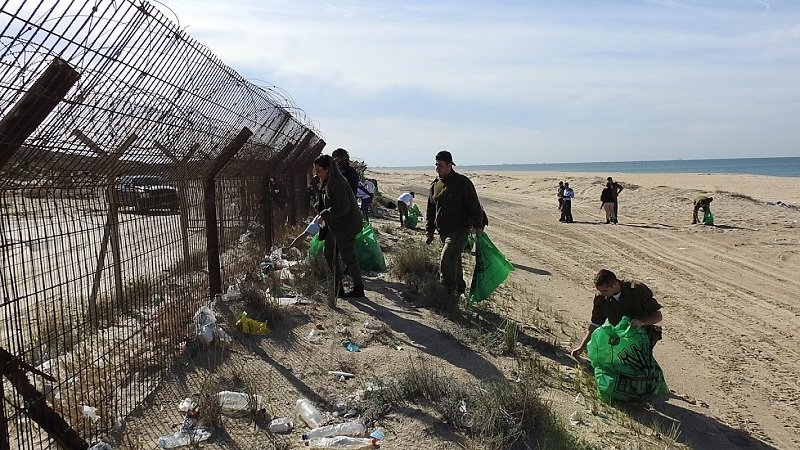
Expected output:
{"points": [[523, 82]]}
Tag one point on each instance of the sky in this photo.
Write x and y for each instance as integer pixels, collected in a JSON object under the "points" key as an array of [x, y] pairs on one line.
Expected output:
{"points": [[522, 81]]}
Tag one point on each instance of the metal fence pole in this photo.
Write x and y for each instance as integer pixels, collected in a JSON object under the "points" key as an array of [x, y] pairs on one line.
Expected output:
{"points": [[209, 194]]}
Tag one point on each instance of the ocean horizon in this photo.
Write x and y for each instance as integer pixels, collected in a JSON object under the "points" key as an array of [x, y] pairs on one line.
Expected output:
{"points": [[777, 167]]}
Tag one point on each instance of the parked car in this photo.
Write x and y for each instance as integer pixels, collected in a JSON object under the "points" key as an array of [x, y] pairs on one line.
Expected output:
{"points": [[146, 192]]}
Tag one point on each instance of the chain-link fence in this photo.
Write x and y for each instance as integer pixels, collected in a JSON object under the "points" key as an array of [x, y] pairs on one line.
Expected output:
{"points": [[138, 173]]}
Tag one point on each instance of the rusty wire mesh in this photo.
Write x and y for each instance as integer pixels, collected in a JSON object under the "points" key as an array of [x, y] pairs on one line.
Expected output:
{"points": [[104, 206]]}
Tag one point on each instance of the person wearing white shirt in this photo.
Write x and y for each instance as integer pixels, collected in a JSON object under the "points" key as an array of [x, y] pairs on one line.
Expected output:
{"points": [[403, 203], [569, 194], [365, 193]]}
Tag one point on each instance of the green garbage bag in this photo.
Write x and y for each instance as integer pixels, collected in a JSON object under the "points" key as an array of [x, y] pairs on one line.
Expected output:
{"points": [[623, 363], [413, 216], [491, 269], [470, 244], [708, 217], [368, 251], [315, 247]]}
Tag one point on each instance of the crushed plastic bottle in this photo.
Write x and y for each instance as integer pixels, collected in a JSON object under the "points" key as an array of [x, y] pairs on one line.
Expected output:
{"points": [[354, 428], [238, 401], [310, 415], [373, 325], [181, 439], [281, 425], [342, 443]]}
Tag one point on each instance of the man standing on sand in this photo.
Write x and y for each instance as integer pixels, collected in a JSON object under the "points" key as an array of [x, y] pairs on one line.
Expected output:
{"points": [[403, 203], [561, 200], [569, 194], [701, 201], [619, 298], [617, 188], [607, 203], [453, 210], [366, 192]]}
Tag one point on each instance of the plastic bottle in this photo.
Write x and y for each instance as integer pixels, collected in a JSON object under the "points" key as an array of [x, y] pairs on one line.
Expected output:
{"points": [[342, 443], [180, 439], [238, 401], [311, 415], [354, 428], [281, 425]]}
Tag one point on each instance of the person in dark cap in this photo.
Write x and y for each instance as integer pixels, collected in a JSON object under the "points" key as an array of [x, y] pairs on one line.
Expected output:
{"points": [[342, 159], [453, 210]]}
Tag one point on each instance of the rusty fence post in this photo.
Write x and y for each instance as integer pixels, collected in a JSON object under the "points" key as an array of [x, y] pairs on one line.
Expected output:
{"points": [[209, 195]]}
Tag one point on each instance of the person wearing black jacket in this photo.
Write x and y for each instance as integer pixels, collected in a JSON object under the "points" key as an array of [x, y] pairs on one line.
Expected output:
{"points": [[342, 159], [607, 202]]}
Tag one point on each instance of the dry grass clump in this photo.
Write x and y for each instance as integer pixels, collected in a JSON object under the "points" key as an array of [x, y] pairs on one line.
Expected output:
{"points": [[496, 415], [312, 279], [417, 265]]}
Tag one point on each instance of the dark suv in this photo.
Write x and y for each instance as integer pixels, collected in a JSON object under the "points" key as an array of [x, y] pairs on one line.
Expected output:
{"points": [[146, 192]]}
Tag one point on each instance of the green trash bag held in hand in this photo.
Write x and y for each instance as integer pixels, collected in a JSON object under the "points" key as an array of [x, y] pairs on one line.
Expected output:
{"points": [[368, 251], [623, 362], [315, 247], [491, 269], [708, 216], [413, 216]]}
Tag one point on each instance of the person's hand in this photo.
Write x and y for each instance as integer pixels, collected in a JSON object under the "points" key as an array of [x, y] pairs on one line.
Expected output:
{"points": [[477, 232], [429, 239], [637, 323]]}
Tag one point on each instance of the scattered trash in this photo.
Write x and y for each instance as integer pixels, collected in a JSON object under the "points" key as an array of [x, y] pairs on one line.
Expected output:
{"points": [[180, 439], [399, 348], [233, 293], [576, 417], [281, 425], [315, 335], [310, 415], [90, 412], [372, 325], [350, 413], [466, 417], [341, 329], [342, 442], [355, 428], [287, 301], [187, 405], [190, 421], [351, 347], [101, 446], [239, 401], [377, 434], [251, 326], [205, 321], [337, 374]]}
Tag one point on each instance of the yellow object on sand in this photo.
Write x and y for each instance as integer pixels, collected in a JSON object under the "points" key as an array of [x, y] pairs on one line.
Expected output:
{"points": [[251, 326]]}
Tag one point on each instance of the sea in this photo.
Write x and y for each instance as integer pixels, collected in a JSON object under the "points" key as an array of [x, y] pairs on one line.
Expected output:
{"points": [[777, 167]]}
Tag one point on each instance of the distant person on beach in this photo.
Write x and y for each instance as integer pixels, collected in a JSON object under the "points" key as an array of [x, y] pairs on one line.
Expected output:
{"points": [[342, 159], [561, 200], [403, 203], [365, 193], [338, 209], [453, 210], [607, 203], [617, 298], [569, 194], [701, 201], [617, 189]]}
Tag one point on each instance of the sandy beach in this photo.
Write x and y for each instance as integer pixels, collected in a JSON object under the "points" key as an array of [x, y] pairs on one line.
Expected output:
{"points": [[729, 292]]}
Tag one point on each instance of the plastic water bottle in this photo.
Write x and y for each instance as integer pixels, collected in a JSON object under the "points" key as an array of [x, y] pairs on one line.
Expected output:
{"points": [[281, 425], [311, 415], [342, 443], [180, 439], [354, 428], [237, 401]]}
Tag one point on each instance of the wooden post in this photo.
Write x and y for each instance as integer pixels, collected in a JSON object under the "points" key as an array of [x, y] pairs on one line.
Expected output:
{"points": [[183, 193], [34, 106], [209, 194], [111, 228], [36, 407]]}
